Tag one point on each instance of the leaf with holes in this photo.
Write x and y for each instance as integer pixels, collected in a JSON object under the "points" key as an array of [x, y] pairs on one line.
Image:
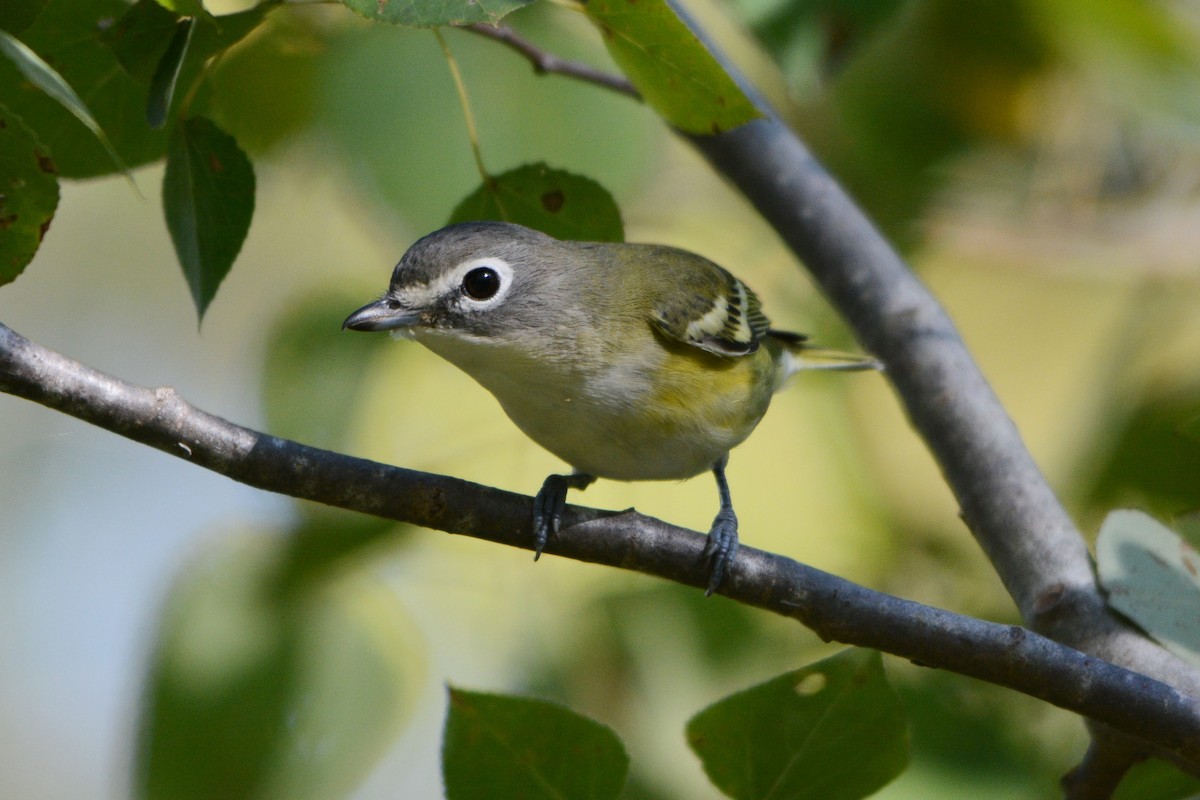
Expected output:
{"points": [[673, 70], [559, 203], [500, 746], [425, 14], [834, 730], [208, 198], [1152, 576], [28, 195]]}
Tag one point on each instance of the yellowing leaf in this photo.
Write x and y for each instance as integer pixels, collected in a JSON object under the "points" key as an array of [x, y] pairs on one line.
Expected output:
{"points": [[673, 70]]}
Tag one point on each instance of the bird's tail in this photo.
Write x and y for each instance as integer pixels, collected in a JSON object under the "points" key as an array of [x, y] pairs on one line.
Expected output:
{"points": [[797, 354]]}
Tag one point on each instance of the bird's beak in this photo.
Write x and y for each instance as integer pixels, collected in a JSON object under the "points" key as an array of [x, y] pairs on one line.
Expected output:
{"points": [[382, 315]]}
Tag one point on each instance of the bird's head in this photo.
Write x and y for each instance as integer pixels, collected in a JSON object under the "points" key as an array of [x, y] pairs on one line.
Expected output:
{"points": [[479, 280]]}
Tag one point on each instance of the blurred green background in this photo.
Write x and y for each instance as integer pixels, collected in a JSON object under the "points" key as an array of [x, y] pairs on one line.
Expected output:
{"points": [[1039, 161]]}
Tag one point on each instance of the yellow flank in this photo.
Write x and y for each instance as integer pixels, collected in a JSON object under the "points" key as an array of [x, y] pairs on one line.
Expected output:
{"points": [[728, 394], [697, 407]]}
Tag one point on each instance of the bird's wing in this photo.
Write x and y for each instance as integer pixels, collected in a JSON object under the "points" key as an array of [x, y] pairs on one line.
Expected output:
{"points": [[710, 309]]}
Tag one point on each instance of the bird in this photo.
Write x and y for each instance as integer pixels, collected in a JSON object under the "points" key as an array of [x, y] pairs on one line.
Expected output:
{"points": [[628, 361]]}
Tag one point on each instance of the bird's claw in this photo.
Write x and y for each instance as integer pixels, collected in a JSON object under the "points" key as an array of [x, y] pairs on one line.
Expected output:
{"points": [[548, 506], [720, 548]]}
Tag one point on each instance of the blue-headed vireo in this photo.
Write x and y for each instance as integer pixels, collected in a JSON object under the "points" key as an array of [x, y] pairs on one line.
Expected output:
{"points": [[627, 361]]}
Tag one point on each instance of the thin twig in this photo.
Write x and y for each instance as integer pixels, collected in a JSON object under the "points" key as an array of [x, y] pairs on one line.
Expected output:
{"points": [[834, 608], [544, 62]]}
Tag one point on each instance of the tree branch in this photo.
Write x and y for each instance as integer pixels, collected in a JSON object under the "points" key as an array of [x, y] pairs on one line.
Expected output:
{"points": [[545, 63], [834, 608], [1005, 500]]}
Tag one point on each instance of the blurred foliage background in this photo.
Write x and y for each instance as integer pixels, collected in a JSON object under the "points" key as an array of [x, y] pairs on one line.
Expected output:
{"points": [[1039, 162]]}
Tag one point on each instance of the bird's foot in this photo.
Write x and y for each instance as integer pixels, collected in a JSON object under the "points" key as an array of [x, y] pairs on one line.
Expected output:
{"points": [[548, 506], [721, 547]]}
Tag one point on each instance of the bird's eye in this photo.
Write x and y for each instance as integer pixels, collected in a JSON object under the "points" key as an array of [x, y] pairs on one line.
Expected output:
{"points": [[481, 283]]}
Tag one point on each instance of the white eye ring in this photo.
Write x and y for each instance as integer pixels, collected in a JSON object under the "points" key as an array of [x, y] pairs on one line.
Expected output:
{"points": [[480, 283]]}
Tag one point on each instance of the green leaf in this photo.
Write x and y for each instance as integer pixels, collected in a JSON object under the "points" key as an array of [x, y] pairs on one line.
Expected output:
{"points": [[425, 14], [167, 53], [68, 34], [43, 76], [28, 195], [257, 694], [1153, 577], [162, 85], [834, 730], [144, 33], [563, 205], [208, 199], [140, 38], [498, 746], [672, 69], [17, 15], [77, 39], [214, 35]]}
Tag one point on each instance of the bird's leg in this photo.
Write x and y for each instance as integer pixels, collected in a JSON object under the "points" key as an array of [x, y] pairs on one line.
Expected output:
{"points": [[549, 504], [722, 542]]}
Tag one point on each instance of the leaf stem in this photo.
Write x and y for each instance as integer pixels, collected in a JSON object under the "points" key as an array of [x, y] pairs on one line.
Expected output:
{"points": [[465, 101]]}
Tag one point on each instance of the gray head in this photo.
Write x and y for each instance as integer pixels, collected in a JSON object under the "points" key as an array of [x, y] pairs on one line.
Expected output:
{"points": [[464, 278]]}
